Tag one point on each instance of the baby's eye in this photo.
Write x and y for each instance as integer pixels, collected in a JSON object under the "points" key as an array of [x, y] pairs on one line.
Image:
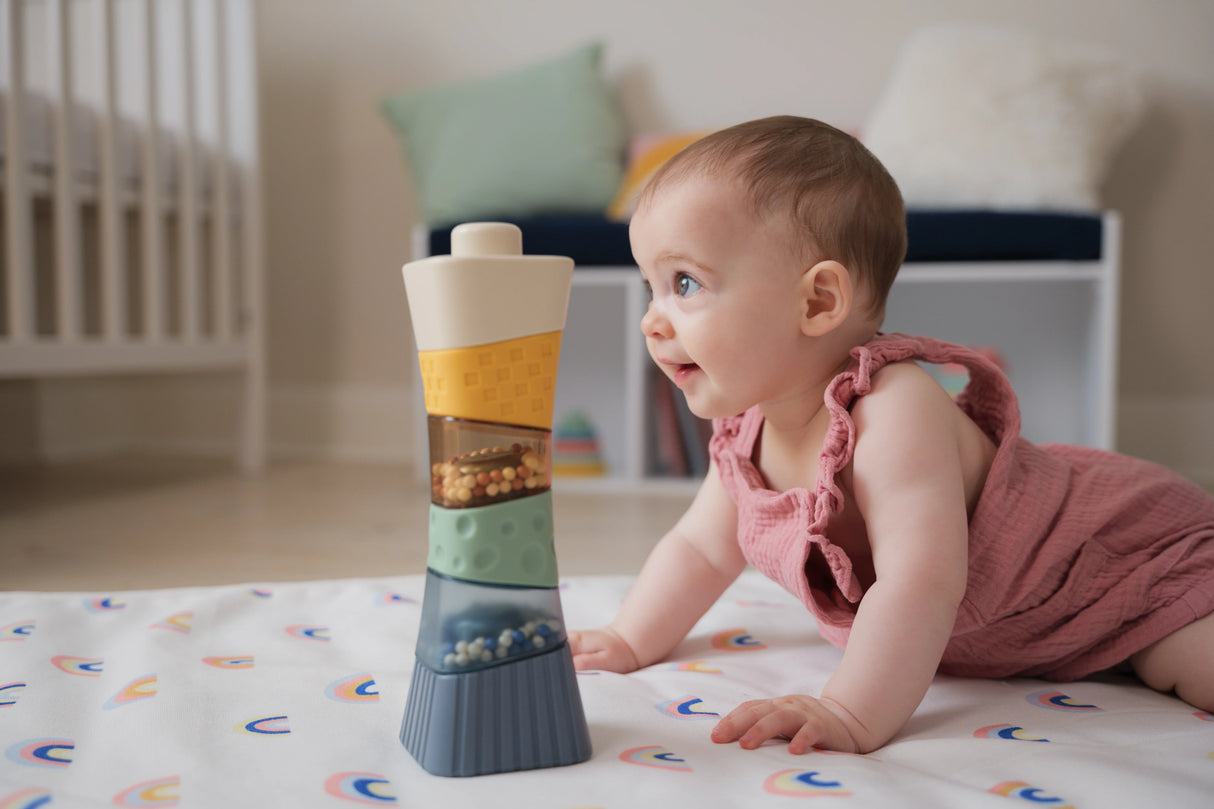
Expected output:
{"points": [[685, 286]]}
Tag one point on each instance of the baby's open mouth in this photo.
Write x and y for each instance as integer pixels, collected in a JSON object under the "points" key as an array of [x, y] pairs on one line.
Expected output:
{"points": [[683, 371]]}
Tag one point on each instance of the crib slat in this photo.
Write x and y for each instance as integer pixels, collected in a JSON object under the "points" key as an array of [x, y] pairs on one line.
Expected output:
{"points": [[250, 324], [18, 223], [151, 220], [188, 190], [113, 259], [70, 314], [221, 188]]}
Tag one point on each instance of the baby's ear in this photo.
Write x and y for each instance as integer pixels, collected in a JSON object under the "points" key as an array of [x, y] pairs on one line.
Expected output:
{"points": [[826, 298]]}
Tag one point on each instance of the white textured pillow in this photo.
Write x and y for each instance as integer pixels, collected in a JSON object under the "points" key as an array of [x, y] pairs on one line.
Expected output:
{"points": [[975, 116]]}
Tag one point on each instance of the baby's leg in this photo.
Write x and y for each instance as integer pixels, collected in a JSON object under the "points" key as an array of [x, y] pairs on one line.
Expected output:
{"points": [[1182, 662]]}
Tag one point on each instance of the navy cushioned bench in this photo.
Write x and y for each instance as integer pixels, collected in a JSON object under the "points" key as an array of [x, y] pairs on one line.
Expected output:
{"points": [[933, 236]]}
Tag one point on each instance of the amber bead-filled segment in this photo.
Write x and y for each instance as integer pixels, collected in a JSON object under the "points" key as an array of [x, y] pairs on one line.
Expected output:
{"points": [[478, 464]]}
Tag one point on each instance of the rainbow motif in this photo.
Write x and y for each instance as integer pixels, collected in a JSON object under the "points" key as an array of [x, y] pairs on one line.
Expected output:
{"points": [[52, 753], [1026, 792], [802, 784], [1204, 716], [237, 662], [685, 708], [1006, 732], [359, 688], [157, 792], [320, 633], [265, 726], [19, 630], [360, 787], [9, 692], [655, 756], [140, 688], [259, 593], [29, 798], [180, 622], [1058, 701], [701, 666], [736, 640], [103, 604], [81, 666], [390, 599]]}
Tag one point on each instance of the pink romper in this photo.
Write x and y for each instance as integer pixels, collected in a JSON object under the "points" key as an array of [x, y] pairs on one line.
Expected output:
{"points": [[1077, 557]]}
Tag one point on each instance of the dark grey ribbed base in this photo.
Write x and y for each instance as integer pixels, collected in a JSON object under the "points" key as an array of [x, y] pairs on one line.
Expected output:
{"points": [[522, 715]]}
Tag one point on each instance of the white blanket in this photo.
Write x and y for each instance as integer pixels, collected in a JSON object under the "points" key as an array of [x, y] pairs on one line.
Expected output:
{"points": [[291, 695]]}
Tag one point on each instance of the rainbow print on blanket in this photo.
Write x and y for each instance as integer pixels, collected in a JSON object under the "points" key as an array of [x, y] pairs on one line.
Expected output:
{"points": [[113, 705]]}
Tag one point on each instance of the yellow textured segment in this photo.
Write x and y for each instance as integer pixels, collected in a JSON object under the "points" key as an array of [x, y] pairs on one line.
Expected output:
{"points": [[511, 382]]}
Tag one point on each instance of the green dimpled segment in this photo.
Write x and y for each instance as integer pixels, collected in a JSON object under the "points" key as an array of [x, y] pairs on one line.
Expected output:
{"points": [[507, 543]]}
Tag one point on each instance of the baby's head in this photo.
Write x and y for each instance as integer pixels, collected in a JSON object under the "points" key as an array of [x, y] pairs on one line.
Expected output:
{"points": [[839, 201]]}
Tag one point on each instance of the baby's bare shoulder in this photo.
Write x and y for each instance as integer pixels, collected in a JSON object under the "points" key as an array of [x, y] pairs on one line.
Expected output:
{"points": [[906, 412], [901, 385]]}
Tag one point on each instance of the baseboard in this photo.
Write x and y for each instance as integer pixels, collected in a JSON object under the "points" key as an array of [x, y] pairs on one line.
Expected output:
{"points": [[19, 440], [79, 418], [1176, 431], [351, 423], [82, 419]]}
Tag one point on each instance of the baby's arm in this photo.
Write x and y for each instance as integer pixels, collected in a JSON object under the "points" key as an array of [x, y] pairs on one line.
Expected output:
{"points": [[908, 484], [684, 575]]}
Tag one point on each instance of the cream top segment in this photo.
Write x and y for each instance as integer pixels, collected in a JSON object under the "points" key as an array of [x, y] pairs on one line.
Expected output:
{"points": [[486, 291]]}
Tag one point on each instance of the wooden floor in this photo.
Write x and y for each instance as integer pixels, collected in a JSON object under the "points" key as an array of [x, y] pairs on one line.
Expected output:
{"points": [[138, 523]]}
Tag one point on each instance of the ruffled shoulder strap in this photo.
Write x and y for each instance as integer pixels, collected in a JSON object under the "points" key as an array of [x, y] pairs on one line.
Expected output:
{"points": [[733, 439], [988, 399]]}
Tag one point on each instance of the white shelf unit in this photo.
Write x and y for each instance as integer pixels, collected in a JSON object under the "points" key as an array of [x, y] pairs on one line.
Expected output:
{"points": [[1054, 323]]}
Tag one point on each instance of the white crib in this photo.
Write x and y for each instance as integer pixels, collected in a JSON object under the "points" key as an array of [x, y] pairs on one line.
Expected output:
{"points": [[131, 194]]}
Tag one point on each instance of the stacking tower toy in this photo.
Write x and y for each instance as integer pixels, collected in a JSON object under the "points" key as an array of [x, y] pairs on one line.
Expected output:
{"points": [[493, 687]]}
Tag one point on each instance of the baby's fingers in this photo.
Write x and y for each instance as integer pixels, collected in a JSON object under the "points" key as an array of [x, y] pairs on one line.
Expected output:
{"points": [[784, 724], [578, 642], [591, 650], [793, 718], [738, 723], [591, 659]]}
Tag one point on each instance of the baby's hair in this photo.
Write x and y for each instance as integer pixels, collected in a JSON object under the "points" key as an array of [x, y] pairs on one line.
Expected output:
{"points": [[840, 200]]}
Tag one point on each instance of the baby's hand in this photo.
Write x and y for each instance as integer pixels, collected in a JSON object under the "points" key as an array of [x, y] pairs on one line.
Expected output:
{"points": [[805, 721], [603, 650]]}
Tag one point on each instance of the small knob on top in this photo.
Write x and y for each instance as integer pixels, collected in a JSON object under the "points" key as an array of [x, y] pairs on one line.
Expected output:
{"points": [[486, 239]]}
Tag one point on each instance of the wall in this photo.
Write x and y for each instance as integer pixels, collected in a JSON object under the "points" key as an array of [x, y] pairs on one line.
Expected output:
{"points": [[340, 210]]}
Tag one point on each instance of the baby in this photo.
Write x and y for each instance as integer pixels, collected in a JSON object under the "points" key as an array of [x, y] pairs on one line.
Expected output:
{"points": [[924, 534]]}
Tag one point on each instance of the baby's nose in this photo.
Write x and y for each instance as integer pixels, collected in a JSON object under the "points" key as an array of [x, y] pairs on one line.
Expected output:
{"points": [[655, 324]]}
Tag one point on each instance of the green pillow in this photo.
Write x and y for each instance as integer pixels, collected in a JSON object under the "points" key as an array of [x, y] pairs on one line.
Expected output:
{"points": [[547, 138]]}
